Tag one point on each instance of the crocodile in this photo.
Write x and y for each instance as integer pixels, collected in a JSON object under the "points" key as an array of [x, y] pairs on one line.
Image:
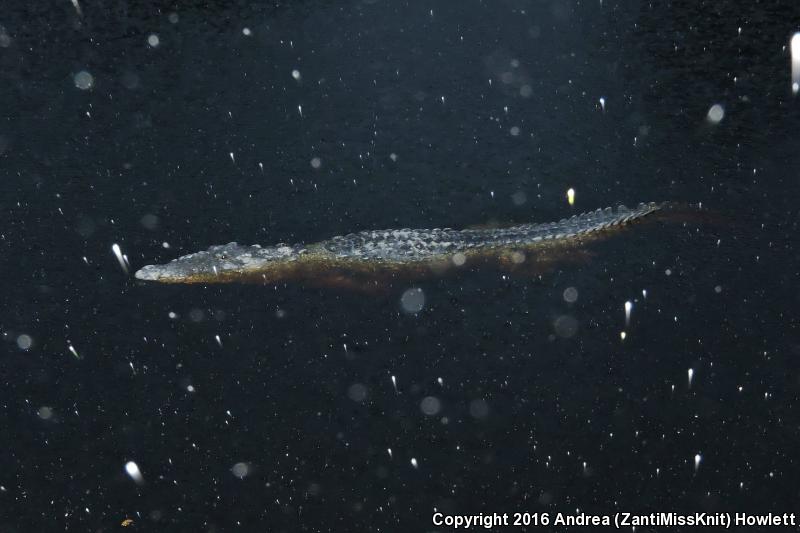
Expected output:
{"points": [[389, 250]]}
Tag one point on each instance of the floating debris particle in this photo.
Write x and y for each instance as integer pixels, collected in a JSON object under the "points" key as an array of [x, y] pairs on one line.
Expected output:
{"points": [[73, 351], [133, 471], [795, 51], [123, 263]]}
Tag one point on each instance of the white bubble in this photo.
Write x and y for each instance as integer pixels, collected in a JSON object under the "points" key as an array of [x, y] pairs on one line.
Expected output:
{"points": [[459, 259], [24, 342], [517, 257], [172, 315], [357, 392], [296, 74], [5, 38], [246, 32], [149, 221], [83, 80], [130, 80], [716, 113], [519, 198], [153, 40], [413, 300], [570, 295], [45, 413], [479, 408], [240, 470], [316, 162], [514, 131], [430, 405], [565, 326], [393, 157], [526, 91], [173, 18]]}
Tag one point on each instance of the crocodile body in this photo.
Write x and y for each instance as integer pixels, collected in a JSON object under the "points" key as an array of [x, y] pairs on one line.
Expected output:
{"points": [[382, 250]]}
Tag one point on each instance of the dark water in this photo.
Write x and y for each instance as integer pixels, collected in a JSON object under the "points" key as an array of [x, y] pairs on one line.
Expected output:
{"points": [[506, 397]]}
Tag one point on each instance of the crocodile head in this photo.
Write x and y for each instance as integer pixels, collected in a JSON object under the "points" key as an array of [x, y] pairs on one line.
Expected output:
{"points": [[220, 264]]}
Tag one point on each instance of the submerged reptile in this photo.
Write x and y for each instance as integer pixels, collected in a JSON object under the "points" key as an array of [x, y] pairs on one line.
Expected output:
{"points": [[384, 250]]}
